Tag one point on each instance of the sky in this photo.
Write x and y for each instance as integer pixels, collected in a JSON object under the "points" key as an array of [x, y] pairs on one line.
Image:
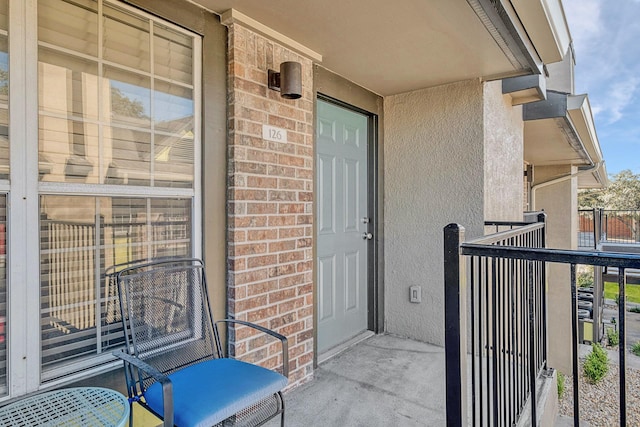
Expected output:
{"points": [[606, 39]]}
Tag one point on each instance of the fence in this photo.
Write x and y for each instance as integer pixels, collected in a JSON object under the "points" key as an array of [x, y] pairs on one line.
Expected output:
{"points": [[79, 308], [608, 226], [507, 326]]}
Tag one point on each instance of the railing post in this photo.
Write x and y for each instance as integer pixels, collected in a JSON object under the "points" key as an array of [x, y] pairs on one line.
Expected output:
{"points": [[533, 369], [597, 227], [622, 344], [455, 298], [542, 217], [574, 347]]}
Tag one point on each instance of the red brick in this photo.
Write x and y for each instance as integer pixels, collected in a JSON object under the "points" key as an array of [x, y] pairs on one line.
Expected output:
{"points": [[261, 261], [261, 208], [291, 160], [262, 314], [261, 156], [282, 246], [290, 305], [285, 196], [251, 303], [290, 256], [261, 182], [291, 281], [251, 249], [287, 208], [261, 288], [248, 221], [304, 219], [281, 171], [282, 295], [290, 184], [268, 234], [282, 270], [290, 232], [280, 220]]}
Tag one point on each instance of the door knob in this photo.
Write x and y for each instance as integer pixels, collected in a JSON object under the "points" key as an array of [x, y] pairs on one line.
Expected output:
{"points": [[367, 236]]}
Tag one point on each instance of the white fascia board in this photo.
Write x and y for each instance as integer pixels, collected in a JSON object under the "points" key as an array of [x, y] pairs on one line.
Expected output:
{"points": [[547, 27], [579, 109]]}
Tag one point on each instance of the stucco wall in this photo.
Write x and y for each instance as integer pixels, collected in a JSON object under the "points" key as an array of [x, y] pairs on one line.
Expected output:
{"points": [[503, 154], [560, 203], [433, 175]]}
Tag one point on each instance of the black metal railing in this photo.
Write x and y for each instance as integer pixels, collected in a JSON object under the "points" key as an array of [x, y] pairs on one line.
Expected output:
{"points": [[507, 325], [608, 226], [589, 228]]}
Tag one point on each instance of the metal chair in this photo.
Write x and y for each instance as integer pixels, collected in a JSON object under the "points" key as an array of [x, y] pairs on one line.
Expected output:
{"points": [[173, 361]]}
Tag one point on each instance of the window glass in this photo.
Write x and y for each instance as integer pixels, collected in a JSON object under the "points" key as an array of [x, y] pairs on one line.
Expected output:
{"points": [[70, 24], [81, 237], [114, 117], [117, 101], [4, 92], [126, 39], [3, 294], [178, 48]]}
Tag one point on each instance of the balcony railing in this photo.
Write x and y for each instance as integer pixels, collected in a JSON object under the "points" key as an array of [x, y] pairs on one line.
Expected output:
{"points": [[503, 279], [598, 226]]}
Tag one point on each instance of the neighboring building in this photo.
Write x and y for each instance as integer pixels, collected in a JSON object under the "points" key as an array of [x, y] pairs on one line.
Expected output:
{"points": [[145, 128]]}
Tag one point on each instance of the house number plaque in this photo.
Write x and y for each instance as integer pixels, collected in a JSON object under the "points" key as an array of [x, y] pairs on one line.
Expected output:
{"points": [[272, 133]]}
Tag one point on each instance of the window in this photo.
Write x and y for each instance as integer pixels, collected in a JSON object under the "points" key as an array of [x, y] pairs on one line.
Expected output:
{"points": [[117, 165], [4, 184]]}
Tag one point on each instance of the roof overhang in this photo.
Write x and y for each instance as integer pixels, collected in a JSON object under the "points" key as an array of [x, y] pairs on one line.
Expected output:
{"points": [[560, 130], [546, 25], [525, 89], [394, 47]]}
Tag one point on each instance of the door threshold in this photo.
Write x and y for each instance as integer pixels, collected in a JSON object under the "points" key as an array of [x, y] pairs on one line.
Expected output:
{"points": [[334, 351]]}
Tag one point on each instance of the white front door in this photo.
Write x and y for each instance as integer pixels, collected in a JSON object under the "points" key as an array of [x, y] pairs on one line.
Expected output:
{"points": [[342, 223]]}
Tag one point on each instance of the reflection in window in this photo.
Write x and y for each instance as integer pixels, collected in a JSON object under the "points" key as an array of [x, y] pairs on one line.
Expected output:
{"points": [[81, 237], [4, 94], [3, 294], [130, 117]]}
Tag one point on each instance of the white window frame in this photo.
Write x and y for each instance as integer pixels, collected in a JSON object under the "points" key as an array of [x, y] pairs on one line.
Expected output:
{"points": [[24, 190]]}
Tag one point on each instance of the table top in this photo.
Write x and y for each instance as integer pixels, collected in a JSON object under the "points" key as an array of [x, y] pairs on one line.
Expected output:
{"points": [[80, 406]]}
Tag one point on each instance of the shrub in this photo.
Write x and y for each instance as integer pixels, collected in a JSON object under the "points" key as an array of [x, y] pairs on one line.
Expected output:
{"points": [[585, 279], [635, 309], [613, 337], [596, 365], [636, 349], [561, 379]]}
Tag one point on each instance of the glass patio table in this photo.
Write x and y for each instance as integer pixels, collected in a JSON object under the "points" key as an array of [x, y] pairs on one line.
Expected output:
{"points": [[80, 406]]}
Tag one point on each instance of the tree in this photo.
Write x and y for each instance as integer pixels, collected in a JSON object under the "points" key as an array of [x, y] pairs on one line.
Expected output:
{"points": [[622, 193], [591, 198], [125, 106]]}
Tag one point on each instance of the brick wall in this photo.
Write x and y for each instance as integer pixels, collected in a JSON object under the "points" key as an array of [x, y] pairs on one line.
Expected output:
{"points": [[270, 205]]}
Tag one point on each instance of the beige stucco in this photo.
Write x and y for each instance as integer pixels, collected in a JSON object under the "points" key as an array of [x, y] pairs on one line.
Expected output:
{"points": [[559, 201], [452, 154], [433, 176], [503, 151]]}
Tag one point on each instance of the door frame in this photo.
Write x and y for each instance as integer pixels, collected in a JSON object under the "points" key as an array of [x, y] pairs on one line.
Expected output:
{"points": [[330, 87]]}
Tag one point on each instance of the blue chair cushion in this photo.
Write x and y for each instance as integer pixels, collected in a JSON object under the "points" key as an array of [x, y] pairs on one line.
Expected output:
{"points": [[211, 391]]}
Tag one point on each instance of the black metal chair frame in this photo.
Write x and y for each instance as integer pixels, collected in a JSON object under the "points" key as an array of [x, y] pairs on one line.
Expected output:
{"points": [[140, 373]]}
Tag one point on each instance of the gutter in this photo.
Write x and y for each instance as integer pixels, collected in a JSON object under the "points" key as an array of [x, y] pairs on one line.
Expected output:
{"points": [[563, 178]]}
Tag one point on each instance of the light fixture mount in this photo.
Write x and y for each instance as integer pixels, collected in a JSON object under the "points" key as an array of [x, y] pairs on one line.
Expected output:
{"points": [[288, 81]]}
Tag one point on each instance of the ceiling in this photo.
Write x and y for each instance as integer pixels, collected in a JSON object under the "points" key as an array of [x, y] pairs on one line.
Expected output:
{"points": [[399, 47]]}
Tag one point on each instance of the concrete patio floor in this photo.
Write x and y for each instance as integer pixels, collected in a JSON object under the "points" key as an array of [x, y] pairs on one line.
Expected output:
{"points": [[381, 381]]}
